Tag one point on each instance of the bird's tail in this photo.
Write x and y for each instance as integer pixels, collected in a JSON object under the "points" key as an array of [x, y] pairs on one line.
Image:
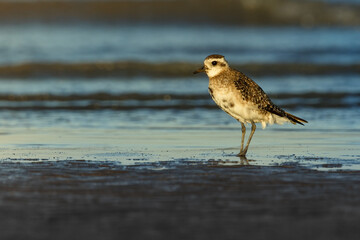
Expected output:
{"points": [[294, 119]]}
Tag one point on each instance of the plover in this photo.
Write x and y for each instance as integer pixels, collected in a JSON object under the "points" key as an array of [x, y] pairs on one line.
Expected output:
{"points": [[242, 98]]}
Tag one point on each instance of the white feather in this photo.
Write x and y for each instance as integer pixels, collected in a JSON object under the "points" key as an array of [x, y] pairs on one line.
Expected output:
{"points": [[212, 72], [244, 112]]}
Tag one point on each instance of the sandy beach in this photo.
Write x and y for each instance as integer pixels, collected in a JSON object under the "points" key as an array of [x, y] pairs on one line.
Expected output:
{"points": [[178, 186]]}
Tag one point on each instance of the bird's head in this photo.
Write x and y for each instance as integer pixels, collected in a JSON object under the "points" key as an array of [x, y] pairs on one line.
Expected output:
{"points": [[213, 65]]}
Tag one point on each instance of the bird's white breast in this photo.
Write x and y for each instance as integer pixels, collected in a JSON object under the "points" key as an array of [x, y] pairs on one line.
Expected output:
{"points": [[243, 111]]}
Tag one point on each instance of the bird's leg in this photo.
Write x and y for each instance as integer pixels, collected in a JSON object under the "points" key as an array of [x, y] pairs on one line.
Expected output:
{"points": [[253, 128], [243, 130]]}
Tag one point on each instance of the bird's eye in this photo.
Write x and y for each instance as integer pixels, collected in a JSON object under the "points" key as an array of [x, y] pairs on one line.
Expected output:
{"points": [[214, 63]]}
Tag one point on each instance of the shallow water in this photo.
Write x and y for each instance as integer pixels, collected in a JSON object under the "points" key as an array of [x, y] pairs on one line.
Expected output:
{"points": [[168, 146], [169, 121]]}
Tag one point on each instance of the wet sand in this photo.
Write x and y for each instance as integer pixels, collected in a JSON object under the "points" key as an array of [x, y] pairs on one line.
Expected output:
{"points": [[136, 185], [87, 200]]}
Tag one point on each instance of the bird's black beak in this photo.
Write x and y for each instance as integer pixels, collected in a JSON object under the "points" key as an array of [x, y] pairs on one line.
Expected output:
{"points": [[202, 69]]}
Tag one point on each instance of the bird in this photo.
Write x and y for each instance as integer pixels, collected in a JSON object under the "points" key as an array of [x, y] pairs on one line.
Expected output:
{"points": [[242, 98]]}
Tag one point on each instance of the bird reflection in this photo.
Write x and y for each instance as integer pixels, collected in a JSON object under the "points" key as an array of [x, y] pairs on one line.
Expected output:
{"points": [[243, 160], [238, 161]]}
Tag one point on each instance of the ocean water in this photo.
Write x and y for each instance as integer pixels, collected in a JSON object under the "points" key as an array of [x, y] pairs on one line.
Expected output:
{"points": [[160, 119], [162, 43]]}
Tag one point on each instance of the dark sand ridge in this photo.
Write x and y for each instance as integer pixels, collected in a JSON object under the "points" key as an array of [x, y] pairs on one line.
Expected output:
{"points": [[172, 69], [246, 12]]}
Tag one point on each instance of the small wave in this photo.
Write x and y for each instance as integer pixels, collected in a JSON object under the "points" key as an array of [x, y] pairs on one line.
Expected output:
{"points": [[133, 101], [103, 96], [172, 69]]}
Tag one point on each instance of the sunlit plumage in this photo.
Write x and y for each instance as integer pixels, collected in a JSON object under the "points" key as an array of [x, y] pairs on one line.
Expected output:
{"points": [[242, 98]]}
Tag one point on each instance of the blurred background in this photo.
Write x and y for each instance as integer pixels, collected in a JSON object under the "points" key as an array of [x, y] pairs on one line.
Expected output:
{"points": [[129, 63]]}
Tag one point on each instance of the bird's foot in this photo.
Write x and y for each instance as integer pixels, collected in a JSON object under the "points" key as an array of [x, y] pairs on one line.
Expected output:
{"points": [[241, 154]]}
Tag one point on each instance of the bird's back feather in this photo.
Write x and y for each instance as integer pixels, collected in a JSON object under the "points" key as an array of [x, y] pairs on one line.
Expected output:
{"points": [[250, 91]]}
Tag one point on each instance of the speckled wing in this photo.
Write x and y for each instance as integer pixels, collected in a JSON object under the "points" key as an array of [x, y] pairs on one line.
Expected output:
{"points": [[251, 92]]}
